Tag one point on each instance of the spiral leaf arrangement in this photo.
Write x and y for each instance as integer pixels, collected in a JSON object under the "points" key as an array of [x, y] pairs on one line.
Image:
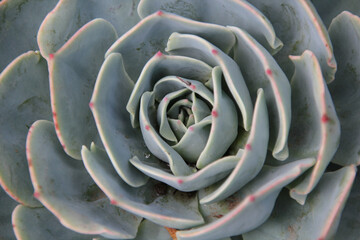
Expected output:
{"points": [[164, 119]]}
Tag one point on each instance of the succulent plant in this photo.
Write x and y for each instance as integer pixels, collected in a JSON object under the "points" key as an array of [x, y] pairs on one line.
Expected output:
{"points": [[179, 119]]}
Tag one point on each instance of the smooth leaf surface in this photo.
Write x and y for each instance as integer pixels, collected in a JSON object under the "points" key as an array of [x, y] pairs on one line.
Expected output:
{"points": [[39, 223], [154, 201], [315, 130], [345, 90], [260, 70], [317, 219], [121, 141], [66, 189], [247, 208], [233, 13], [150, 35], [300, 28], [25, 98], [19, 25], [70, 15], [252, 159], [6, 207], [73, 70]]}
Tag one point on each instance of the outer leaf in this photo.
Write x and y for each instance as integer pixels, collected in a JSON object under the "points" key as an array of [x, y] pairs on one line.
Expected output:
{"points": [[73, 71], [64, 187], [39, 223], [121, 141], [70, 15], [6, 207], [150, 35], [315, 130], [18, 26], [24, 92], [233, 12], [317, 219], [197, 47], [349, 226], [329, 9], [289, 19], [260, 70], [154, 201], [345, 90], [249, 207]]}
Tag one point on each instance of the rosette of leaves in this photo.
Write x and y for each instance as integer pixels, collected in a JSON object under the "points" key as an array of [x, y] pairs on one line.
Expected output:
{"points": [[165, 119]]}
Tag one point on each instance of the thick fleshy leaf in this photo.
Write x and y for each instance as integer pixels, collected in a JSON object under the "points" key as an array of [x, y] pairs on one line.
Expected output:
{"points": [[155, 143], [315, 129], [247, 208], [19, 26], [154, 201], [73, 71], [349, 226], [237, 13], [329, 9], [252, 159], [345, 90], [298, 25], [24, 91], [121, 141], [150, 35], [260, 70], [197, 47], [39, 223], [65, 188], [165, 129], [317, 219], [6, 207], [70, 15], [196, 181], [224, 123], [160, 66]]}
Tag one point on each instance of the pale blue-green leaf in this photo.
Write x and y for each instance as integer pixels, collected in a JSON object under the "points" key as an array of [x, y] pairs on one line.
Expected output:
{"points": [[151, 34], [345, 90], [19, 25], [39, 223], [194, 141], [210, 174], [237, 13], [224, 123], [177, 127], [149, 230], [260, 70], [349, 226], [66, 189], [247, 208], [24, 91], [199, 108], [317, 219], [155, 143], [160, 66], [195, 46], [165, 129], [154, 201], [6, 207], [300, 28], [315, 129], [329, 9], [121, 141], [70, 15], [252, 159], [73, 70]]}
